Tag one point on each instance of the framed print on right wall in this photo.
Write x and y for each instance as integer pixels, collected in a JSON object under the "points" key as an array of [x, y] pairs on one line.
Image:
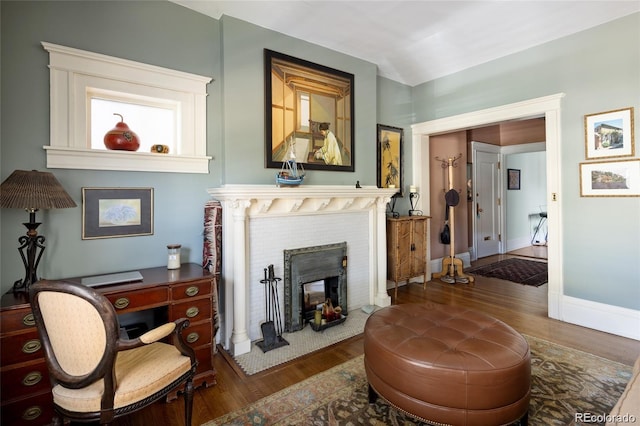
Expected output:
{"points": [[610, 178], [609, 134]]}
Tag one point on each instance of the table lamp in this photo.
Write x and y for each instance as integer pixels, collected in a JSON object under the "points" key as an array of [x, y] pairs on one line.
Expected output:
{"points": [[32, 191]]}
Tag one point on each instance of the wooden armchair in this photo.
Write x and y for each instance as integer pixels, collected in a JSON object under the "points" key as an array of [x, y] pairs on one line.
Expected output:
{"points": [[95, 374]]}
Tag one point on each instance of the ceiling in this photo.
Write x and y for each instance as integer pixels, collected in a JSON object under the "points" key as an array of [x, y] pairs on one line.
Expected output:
{"points": [[417, 41]]}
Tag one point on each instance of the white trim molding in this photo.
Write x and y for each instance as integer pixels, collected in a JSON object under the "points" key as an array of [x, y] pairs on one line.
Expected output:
{"points": [[74, 73]]}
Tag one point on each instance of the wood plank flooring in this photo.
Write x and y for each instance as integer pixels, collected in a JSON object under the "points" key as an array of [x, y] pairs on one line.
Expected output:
{"points": [[522, 307]]}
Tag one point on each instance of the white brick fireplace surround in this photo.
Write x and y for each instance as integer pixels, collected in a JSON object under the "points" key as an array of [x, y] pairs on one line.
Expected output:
{"points": [[260, 221]]}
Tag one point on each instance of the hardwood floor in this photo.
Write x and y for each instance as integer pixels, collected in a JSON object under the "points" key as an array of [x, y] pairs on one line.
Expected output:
{"points": [[522, 307]]}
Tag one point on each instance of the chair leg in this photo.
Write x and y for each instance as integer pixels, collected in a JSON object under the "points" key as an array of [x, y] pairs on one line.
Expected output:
{"points": [[188, 402]]}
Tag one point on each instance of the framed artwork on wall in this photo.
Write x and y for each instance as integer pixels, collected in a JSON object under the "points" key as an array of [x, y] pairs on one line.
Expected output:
{"points": [[116, 212], [610, 179], [389, 169], [609, 134], [513, 178], [309, 112]]}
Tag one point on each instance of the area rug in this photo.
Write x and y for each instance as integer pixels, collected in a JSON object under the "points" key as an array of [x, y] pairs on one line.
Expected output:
{"points": [[522, 271], [565, 381], [301, 343]]}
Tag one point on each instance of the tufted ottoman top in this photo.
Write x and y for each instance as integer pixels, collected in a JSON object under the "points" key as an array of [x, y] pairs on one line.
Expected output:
{"points": [[440, 362]]}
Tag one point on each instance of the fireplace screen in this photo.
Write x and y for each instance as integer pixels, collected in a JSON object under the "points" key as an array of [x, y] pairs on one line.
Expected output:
{"points": [[311, 276]]}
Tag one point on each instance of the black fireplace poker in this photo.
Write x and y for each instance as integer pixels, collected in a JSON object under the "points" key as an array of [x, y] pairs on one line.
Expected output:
{"points": [[272, 326]]}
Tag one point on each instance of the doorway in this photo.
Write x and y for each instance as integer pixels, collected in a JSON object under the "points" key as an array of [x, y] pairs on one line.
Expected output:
{"points": [[549, 107]]}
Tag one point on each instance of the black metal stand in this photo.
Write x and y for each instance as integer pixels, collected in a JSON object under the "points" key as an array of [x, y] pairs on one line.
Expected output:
{"points": [[272, 327], [31, 249], [413, 199]]}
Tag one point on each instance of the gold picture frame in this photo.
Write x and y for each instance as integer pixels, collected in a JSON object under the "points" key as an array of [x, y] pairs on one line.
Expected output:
{"points": [[619, 178], [390, 173], [609, 134]]}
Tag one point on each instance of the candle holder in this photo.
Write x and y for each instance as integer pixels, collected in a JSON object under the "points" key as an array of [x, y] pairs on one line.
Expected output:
{"points": [[414, 196]]}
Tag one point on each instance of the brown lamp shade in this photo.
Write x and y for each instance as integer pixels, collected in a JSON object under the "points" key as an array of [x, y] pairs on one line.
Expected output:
{"points": [[33, 190]]}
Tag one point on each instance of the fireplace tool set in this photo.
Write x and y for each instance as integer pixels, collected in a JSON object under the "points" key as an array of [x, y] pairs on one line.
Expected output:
{"points": [[272, 326]]}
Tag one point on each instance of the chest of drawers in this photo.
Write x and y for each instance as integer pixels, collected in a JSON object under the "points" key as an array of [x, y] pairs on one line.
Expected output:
{"points": [[188, 292]]}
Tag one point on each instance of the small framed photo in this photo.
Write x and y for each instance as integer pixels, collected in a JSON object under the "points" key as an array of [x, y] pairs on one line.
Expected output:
{"points": [[513, 178], [116, 212], [610, 179], [389, 158], [609, 134]]}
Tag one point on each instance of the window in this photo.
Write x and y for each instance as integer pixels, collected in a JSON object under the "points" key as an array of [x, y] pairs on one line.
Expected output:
{"points": [[160, 105]]}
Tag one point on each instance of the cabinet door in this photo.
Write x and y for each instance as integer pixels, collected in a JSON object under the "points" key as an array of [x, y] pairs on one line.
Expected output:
{"points": [[404, 249], [419, 253]]}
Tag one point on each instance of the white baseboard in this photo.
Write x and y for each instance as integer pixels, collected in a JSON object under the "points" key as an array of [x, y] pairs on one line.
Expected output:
{"points": [[599, 316], [518, 243]]}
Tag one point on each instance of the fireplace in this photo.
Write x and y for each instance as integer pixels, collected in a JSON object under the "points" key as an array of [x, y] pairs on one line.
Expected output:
{"points": [[259, 222], [312, 275]]}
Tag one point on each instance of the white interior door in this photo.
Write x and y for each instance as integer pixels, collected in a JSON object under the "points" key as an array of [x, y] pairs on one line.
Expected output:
{"points": [[486, 201]]}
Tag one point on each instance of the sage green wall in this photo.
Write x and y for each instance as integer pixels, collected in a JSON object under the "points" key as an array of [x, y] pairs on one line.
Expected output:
{"points": [[598, 70], [159, 33]]}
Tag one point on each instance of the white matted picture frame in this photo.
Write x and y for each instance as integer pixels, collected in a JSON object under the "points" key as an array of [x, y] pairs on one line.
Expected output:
{"points": [[610, 178], [609, 134]]}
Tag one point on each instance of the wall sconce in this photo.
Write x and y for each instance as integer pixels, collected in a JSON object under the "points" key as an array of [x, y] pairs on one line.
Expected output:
{"points": [[32, 190], [414, 196]]}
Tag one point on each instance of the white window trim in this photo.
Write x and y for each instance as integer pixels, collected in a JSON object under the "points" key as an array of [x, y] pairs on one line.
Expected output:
{"points": [[71, 71]]}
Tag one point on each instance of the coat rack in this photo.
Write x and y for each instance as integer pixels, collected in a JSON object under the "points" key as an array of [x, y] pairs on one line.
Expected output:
{"points": [[452, 269]]}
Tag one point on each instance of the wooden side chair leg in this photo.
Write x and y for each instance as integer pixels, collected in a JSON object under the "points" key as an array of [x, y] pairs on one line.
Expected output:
{"points": [[188, 402]]}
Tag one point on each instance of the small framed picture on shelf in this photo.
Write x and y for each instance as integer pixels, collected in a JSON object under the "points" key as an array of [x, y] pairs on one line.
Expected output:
{"points": [[116, 212], [610, 179], [609, 134]]}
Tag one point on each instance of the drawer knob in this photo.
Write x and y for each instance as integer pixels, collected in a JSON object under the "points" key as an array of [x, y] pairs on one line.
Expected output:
{"points": [[121, 303], [32, 378], [29, 320], [31, 346], [192, 312], [192, 337], [192, 291], [32, 413]]}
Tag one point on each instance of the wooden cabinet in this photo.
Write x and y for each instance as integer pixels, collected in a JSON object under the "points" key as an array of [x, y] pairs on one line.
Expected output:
{"points": [[188, 292], [407, 249]]}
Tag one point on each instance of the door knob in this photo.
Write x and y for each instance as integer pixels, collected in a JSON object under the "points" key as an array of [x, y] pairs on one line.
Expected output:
{"points": [[478, 208]]}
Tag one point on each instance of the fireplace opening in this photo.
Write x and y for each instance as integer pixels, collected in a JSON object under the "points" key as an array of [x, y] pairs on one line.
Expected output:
{"points": [[316, 293], [311, 276]]}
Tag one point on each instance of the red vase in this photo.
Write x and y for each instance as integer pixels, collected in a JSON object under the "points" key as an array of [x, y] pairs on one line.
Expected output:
{"points": [[121, 137]]}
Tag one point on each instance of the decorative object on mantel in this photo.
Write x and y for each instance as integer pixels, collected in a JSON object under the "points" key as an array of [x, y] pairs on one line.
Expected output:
{"points": [[290, 175], [121, 137], [32, 190]]}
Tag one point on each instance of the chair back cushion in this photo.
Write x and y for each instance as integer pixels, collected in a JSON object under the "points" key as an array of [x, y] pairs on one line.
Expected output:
{"points": [[76, 331]]}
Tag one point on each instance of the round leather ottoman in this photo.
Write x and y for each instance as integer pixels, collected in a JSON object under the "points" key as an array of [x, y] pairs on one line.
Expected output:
{"points": [[447, 365]]}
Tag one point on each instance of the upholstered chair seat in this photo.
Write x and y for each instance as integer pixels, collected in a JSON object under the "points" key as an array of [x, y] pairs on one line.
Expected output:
{"points": [[96, 374]]}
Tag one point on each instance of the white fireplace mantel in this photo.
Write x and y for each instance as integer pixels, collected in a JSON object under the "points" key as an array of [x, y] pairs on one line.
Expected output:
{"points": [[240, 203]]}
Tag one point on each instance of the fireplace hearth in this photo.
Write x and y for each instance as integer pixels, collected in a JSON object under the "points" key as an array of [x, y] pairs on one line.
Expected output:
{"points": [[311, 276]]}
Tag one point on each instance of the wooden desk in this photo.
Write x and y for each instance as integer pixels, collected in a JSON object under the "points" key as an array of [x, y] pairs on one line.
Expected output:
{"points": [[188, 292]]}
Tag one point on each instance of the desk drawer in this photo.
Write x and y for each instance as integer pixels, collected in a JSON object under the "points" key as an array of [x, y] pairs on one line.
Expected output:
{"points": [[195, 310], [21, 348], [34, 411], [23, 381], [198, 335], [193, 289], [17, 320], [143, 299]]}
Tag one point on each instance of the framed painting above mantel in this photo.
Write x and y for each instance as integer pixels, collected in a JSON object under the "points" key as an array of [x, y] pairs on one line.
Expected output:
{"points": [[309, 112]]}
